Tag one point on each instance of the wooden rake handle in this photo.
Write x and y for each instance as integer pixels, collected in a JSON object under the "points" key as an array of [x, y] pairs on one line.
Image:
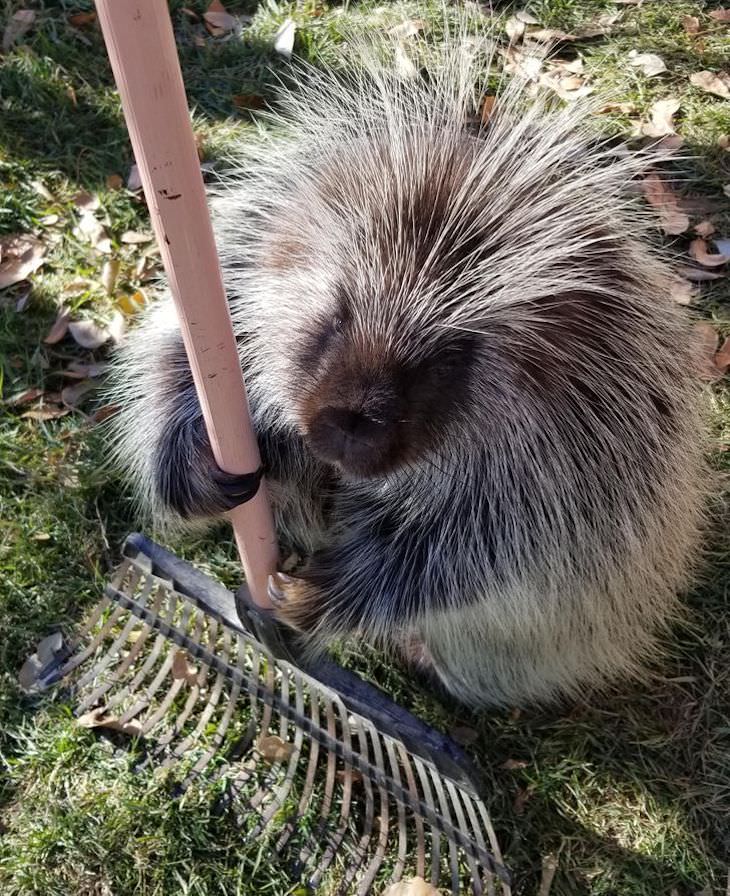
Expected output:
{"points": [[141, 47]]}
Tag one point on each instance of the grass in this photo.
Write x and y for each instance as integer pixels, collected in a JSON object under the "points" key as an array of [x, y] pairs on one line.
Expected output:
{"points": [[631, 792]]}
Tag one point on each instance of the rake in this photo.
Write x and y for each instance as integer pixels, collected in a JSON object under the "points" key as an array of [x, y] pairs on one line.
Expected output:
{"points": [[320, 762]]}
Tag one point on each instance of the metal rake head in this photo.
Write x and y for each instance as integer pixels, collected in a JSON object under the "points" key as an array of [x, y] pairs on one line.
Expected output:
{"points": [[322, 761]]}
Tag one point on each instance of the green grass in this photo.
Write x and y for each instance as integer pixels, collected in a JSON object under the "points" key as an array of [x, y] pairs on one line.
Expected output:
{"points": [[631, 792]]}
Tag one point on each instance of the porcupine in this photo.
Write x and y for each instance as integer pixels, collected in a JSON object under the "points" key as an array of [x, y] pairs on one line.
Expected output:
{"points": [[474, 396]]}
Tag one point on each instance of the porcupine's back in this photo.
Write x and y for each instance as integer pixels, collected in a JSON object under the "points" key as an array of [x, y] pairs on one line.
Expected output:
{"points": [[555, 509]]}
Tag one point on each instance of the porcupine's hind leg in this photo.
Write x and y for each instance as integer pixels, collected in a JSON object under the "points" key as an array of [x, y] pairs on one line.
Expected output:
{"points": [[160, 434]]}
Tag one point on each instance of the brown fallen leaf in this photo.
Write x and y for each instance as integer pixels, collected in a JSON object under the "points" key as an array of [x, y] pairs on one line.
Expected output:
{"points": [[487, 109], [117, 327], [649, 63], [114, 182], [699, 275], [274, 749], [706, 342], [20, 23], [723, 141], [98, 718], [105, 412], [512, 764], [82, 19], [549, 869], [249, 102], [352, 774], [219, 23], [722, 356], [48, 412], [662, 113], [406, 29], [78, 370], [550, 35], [20, 256], [24, 397], [699, 251], [86, 201], [50, 220], [524, 15], [109, 274], [71, 396], [660, 195], [710, 82], [414, 886], [720, 15], [182, 668], [134, 237], [515, 28], [92, 231], [59, 328], [88, 334], [691, 24]]}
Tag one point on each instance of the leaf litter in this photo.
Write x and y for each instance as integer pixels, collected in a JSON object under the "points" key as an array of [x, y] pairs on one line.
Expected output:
{"points": [[20, 256]]}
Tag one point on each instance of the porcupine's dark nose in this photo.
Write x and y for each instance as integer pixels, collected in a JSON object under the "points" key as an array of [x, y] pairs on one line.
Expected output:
{"points": [[354, 440]]}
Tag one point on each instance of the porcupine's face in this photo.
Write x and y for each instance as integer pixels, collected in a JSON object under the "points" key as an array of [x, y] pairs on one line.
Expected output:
{"points": [[368, 405]]}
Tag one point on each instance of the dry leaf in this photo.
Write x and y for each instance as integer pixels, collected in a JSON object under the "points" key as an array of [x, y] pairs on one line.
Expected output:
{"points": [[20, 23], [515, 28], [691, 24], [723, 141], [24, 397], [352, 775], [649, 63], [77, 287], [284, 39], [720, 15], [134, 181], [550, 35], [726, 189], [82, 19], [105, 412], [50, 220], [719, 84], [114, 182], [274, 749], [20, 256], [86, 201], [78, 370], [524, 15], [409, 28], [42, 190], [698, 251], [662, 113], [722, 357], [182, 668], [660, 195], [134, 303], [71, 395], [414, 886], [88, 334], [698, 275], [220, 23], [59, 328], [403, 63], [705, 229], [91, 229], [513, 764], [707, 339], [249, 101], [487, 108], [46, 413], [134, 237], [109, 274], [525, 65], [599, 26], [98, 718], [117, 327]]}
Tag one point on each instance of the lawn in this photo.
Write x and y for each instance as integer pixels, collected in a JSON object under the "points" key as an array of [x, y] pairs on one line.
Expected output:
{"points": [[630, 793]]}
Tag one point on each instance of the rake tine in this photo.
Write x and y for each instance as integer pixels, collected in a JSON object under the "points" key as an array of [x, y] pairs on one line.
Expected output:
{"points": [[417, 820], [110, 656], [149, 663], [308, 787], [162, 673], [453, 854], [402, 830], [435, 833], [210, 706], [383, 821], [335, 838], [195, 691], [494, 844], [488, 877], [459, 810], [360, 851]]}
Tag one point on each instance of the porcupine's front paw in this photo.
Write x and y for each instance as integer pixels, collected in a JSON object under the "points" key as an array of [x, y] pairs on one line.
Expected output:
{"points": [[296, 601]]}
